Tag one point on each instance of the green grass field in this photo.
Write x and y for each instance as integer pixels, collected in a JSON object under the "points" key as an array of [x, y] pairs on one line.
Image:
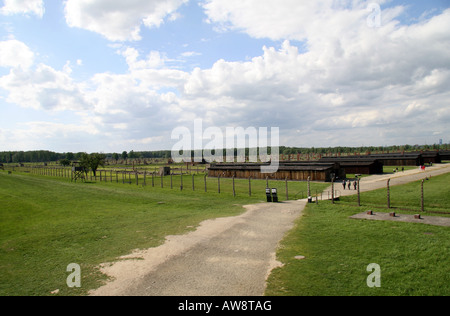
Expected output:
{"points": [[414, 258], [47, 223]]}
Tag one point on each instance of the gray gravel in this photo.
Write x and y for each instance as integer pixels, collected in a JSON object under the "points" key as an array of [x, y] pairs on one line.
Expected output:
{"points": [[224, 257]]}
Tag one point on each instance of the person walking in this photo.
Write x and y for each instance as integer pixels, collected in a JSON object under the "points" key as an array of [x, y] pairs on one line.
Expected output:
{"points": [[349, 184], [343, 184], [355, 184]]}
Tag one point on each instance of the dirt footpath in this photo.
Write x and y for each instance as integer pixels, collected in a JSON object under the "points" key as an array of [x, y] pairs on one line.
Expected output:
{"points": [[223, 257]]}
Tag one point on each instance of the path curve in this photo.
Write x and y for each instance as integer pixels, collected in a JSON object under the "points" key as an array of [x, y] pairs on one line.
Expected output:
{"points": [[224, 257]]}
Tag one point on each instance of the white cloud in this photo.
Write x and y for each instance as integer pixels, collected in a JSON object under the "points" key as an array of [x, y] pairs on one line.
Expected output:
{"points": [[286, 19], [154, 59], [15, 54], [119, 20], [43, 88], [38, 135], [23, 7], [190, 54]]}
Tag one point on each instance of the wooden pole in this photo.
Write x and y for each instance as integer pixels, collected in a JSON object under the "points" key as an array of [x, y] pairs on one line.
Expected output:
{"points": [[234, 191], [332, 190], [181, 187], [287, 190], [309, 187], [359, 194], [388, 194], [422, 198]]}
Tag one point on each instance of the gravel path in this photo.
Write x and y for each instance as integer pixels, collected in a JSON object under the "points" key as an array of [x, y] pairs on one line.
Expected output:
{"points": [[226, 256], [223, 257]]}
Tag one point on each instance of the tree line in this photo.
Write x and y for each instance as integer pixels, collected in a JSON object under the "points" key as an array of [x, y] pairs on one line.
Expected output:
{"points": [[49, 156]]}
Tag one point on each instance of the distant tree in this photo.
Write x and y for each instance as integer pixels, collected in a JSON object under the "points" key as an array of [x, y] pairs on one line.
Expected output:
{"points": [[70, 156], [65, 162], [92, 162], [124, 155], [133, 155], [115, 156]]}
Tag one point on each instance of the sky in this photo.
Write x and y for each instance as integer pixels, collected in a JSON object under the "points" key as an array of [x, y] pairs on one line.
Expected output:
{"points": [[113, 75]]}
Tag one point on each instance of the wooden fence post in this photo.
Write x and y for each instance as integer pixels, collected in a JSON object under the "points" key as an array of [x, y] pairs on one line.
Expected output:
{"points": [[309, 187], [359, 193], [287, 190], [332, 190], [234, 190], [388, 194], [422, 198]]}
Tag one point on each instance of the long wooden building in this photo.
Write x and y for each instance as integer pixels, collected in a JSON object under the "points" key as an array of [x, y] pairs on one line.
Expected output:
{"points": [[430, 156], [357, 165], [293, 171], [445, 155], [393, 159]]}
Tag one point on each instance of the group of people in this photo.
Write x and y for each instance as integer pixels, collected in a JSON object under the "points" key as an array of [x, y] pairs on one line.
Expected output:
{"points": [[349, 184]]}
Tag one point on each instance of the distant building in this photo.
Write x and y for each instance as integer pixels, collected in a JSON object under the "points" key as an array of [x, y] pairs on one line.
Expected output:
{"points": [[445, 155], [357, 164], [293, 171]]}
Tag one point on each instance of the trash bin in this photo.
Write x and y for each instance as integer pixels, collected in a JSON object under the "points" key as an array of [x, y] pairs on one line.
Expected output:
{"points": [[274, 196], [268, 195]]}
